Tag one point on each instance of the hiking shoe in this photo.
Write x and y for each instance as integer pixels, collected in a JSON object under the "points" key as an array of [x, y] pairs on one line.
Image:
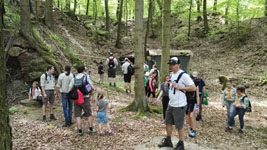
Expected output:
{"points": [[192, 133], [101, 133], [165, 143], [241, 131], [228, 129], [52, 117], [91, 131], [110, 133], [44, 119], [179, 146]]}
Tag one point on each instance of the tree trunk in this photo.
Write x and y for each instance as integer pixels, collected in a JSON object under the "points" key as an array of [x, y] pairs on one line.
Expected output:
{"points": [[75, 6], [199, 2], [95, 11], [5, 128], [87, 7], [49, 13], [189, 18], [58, 4], [226, 11], [237, 16], [107, 19], [265, 10], [160, 6], [215, 6], [118, 9], [166, 27], [126, 18], [118, 44], [151, 19], [67, 7], [31, 7], [25, 20], [38, 9], [147, 27], [206, 25]]}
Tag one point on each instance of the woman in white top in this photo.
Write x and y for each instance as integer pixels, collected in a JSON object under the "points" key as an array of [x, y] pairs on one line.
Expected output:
{"points": [[34, 92]]}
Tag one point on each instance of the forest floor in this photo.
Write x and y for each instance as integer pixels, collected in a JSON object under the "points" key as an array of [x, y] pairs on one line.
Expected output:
{"points": [[29, 132]]}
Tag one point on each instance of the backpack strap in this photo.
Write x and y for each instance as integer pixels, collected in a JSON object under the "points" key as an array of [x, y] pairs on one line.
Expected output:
{"points": [[45, 76], [177, 80], [243, 99]]}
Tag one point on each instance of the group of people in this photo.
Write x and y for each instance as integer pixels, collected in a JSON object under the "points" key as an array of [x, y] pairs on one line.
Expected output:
{"points": [[67, 81]]}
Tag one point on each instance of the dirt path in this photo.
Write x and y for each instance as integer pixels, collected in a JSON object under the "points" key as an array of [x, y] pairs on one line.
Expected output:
{"points": [[29, 132]]}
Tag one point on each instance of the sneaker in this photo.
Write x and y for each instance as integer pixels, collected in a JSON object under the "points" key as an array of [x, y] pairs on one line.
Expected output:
{"points": [[52, 117], [91, 131], [110, 133], [165, 143], [80, 133], [228, 129], [44, 119], [241, 131], [179, 146], [192, 133], [101, 133]]}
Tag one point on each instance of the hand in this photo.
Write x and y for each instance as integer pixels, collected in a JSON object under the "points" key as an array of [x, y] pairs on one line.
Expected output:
{"points": [[176, 86], [204, 99], [235, 105], [45, 96], [57, 95]]}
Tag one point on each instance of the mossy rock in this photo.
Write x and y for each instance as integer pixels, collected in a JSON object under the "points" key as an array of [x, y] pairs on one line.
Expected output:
{"points": [[15, 51], [28, 102], [35, 75], [223, 79]]}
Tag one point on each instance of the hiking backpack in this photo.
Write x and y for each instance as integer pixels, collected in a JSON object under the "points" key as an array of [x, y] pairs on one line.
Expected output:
{"points": [[111, 63], [177, 80], [130, 69], [249, 107], [83, 85]]}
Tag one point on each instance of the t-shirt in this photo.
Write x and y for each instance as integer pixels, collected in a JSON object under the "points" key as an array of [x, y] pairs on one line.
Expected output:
{"points": [[200, 84], [102, 106], [164, 89], [63, 82], [79, 76], [49, 82], [179, 99], [124, 67], [34, 92], [100, 69]]}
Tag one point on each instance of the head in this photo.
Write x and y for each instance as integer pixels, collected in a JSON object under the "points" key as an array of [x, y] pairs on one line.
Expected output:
{"points": [[195, 75], [174, 63], [100, 95], [229, 84], [89, 72], [155, 66], [110, 54], [167, 78], [67, 70], [126, 59], [101, 63], [81, 69], [153, 74], [50, 69], [240, 90], [35, 84]]}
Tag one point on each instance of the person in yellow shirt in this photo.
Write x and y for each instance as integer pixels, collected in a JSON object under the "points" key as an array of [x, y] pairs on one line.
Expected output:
{"points": [[228, 98], [240, 105]]}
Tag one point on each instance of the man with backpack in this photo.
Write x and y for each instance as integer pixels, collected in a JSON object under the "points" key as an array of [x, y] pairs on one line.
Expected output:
{"points": [[127, 69], [82, 81], [112, 63], [63, 82], [47, 81], [180, 82]]}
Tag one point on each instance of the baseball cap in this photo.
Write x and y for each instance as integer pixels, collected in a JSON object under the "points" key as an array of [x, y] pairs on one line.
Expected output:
{"points": [[195, 74], [174, 60]]}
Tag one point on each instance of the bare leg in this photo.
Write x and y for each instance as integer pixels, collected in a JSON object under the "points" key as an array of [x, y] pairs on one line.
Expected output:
{"points": [[169, 129], [192, 122], [78, 120], [51, 108], [108, 126], [181, 134], [100, 127], [43, 109], [90, 122]]}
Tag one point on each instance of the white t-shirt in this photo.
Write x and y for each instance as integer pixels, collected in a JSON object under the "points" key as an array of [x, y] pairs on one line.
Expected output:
{"points": [[179, 99], [36, 93], [124, 67], [64, 81]]}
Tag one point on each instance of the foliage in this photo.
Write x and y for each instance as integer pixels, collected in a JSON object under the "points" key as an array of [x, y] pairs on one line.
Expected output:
{"points": [[13, 110]]}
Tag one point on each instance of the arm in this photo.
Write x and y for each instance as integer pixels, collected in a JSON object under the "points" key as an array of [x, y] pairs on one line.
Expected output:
{"points": [[160, 94], [42, 81], [190, 88], [223, 98], [197, 92], [150, 84]]}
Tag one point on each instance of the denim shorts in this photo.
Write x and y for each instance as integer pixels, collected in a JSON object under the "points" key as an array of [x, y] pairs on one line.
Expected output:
{"points": [[102, 117]]}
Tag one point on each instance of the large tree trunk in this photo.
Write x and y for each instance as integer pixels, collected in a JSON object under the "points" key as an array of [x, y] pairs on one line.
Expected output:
{"points": [[189, 18], [49, 21], [147, 27], [25, 20], [75, 6], [166, 27], [206, 25], [87, 7], [118, 43], [199, 2], [5, 128], [107, 19]]}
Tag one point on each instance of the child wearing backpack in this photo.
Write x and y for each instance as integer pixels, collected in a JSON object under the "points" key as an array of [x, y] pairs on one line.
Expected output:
{"points": [[103, 106], [241, 105], [35, 92]]}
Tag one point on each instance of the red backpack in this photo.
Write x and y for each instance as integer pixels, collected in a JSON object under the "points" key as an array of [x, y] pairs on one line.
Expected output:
{"points": [[80, 99]]}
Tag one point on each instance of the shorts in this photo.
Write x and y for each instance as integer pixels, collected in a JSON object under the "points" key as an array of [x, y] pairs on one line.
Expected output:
{"points": [[127, 78], [190, 107], [101, 116], [111, 73], [175, 116], [86, 107], [50, 97]]}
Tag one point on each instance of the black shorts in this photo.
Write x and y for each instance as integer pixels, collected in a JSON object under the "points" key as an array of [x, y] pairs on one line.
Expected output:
{"points": [[111, 73], [190, 107], [127, 78], [175, 116]]}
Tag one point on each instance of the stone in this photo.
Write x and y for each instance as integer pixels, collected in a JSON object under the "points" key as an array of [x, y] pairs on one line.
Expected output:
{"points": [[15, 51]]}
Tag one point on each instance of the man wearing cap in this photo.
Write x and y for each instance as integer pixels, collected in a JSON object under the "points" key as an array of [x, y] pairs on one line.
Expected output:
{"points": [[112, 63], [127, 76], [177, 105], [202, 93]]}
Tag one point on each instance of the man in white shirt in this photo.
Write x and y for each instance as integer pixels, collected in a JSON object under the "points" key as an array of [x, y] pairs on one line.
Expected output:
{"points": [[177, 105], [127, 76]]}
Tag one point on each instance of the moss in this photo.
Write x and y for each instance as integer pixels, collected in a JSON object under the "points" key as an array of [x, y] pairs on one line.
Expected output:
{"points": [[15, 51], [223, 79], [35, 75]]}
